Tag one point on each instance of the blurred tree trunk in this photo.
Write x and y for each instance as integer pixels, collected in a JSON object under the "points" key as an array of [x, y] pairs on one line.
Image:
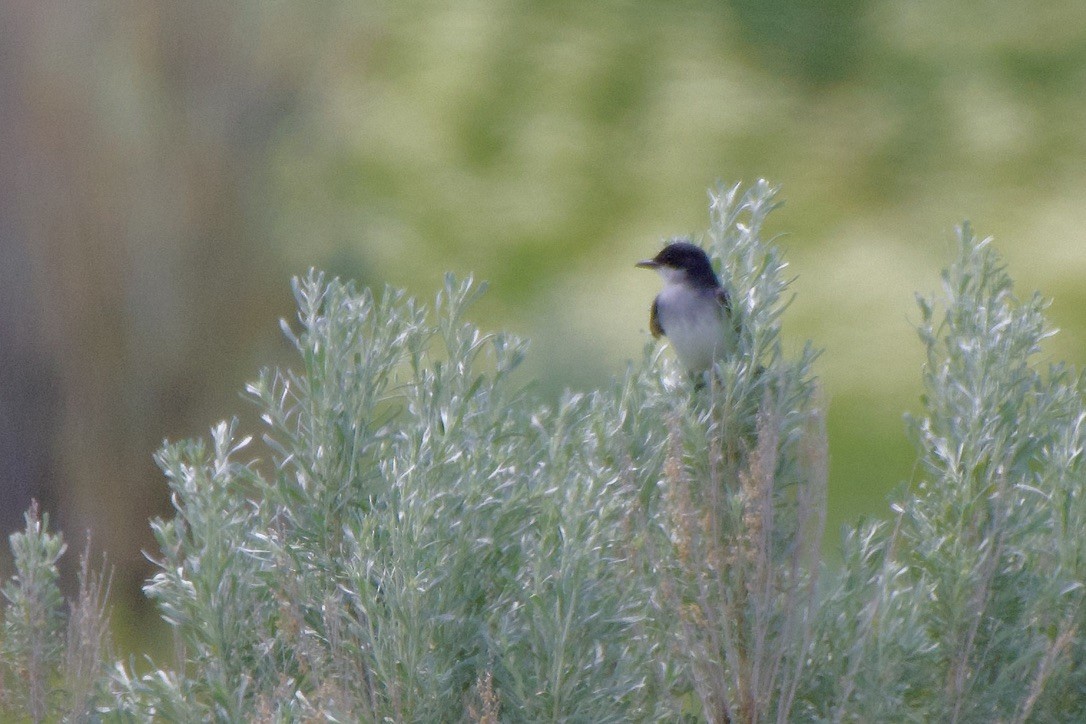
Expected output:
{"points": [[135, 275]]}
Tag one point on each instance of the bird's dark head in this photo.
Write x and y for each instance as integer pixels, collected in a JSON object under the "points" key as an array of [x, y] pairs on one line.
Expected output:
{"points": [[682, 261]]}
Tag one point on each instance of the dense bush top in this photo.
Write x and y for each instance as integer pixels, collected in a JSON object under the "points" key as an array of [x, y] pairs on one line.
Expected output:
{"points": [[422, 540]]}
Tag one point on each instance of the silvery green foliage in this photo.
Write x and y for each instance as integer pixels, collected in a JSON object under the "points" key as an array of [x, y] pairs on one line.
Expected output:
{"points": [[998, 500], [425, 537], [969, 606], [742, 493], [52, 666], [33, 633], [423, 541]]}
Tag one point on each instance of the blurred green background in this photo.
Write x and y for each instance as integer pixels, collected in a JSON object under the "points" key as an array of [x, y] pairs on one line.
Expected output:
{"points": [[165, 167]]}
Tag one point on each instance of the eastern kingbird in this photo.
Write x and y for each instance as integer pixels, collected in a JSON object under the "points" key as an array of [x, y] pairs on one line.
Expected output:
{"points": [[693, 310]]}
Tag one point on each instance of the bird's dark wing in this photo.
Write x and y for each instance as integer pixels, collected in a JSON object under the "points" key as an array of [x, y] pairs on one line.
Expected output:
{"points": [[654, 320], [724, 300], [726, 304]]}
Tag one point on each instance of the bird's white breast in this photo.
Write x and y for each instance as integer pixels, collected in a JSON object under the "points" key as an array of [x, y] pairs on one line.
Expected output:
{"points": [[695, 325]]}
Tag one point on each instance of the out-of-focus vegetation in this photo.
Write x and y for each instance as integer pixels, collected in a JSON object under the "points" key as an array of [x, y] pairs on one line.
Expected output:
{"points": [[165, 167]]}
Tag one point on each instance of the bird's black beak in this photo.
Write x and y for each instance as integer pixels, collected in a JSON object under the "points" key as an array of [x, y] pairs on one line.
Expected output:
{"points": [[648, 264]]}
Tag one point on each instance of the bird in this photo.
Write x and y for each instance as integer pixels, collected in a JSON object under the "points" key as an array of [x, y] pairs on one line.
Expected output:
{"points": [[693, 310]]}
